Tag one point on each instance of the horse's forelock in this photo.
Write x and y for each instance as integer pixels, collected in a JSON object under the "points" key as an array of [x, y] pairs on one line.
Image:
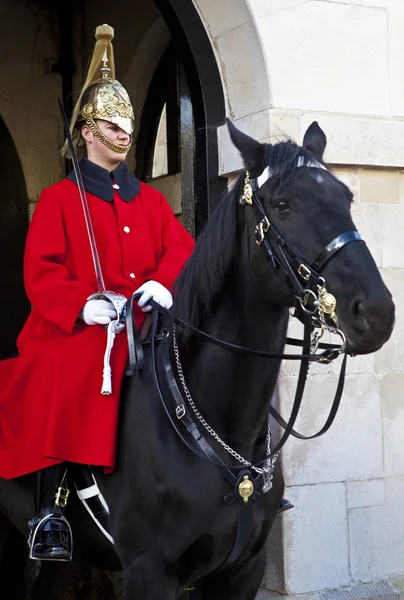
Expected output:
{"points": [[287, 161]]}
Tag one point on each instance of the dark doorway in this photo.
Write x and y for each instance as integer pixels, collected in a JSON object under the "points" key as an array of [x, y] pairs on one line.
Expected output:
{"points": [[14, 305], [165, 150], [187, 88]]}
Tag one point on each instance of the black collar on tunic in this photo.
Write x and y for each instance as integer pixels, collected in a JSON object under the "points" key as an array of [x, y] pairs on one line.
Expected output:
{"points": [[98, 181]]}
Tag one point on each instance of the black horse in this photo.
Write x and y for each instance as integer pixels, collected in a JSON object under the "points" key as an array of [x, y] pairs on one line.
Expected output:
{"points": [[168, 517]]}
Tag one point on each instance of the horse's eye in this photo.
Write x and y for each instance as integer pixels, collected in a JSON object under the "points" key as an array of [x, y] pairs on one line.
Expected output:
{"points": [[282, 207]]}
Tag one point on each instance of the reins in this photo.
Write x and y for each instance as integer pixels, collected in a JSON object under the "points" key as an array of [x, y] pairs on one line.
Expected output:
{"points": [[136, 361]]}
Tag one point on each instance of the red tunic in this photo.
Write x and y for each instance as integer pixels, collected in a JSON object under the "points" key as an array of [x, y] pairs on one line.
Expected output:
{"points": [[51, 408]]}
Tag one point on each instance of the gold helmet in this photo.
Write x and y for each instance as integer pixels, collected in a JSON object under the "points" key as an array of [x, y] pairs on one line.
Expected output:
{"points": [[102, 96]]}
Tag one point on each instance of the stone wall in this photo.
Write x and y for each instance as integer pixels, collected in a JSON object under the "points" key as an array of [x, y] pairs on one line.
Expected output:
{"points": [[337, 62], [340, 63], [28, 55], [347, 487]]}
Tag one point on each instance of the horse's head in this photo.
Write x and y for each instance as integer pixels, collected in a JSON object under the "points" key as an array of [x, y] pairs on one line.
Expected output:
{"points": [[310, 208]]}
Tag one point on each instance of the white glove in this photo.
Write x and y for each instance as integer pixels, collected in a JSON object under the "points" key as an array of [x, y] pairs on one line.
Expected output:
{"points": [[98, 312], [160, 294]]}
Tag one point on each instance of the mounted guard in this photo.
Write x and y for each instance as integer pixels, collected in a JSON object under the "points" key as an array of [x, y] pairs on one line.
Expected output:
{"points": [[95, 238]]}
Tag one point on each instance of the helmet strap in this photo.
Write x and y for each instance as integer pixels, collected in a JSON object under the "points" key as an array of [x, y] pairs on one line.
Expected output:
{"points": [[95, 130]]}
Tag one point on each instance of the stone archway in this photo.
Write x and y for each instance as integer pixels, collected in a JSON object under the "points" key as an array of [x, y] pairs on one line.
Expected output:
{"points": [[14, 305], [238, 47], [236, 41]]}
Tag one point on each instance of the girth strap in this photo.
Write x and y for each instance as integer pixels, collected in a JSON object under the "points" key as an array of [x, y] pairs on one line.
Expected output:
{"points": [[244, 528]]}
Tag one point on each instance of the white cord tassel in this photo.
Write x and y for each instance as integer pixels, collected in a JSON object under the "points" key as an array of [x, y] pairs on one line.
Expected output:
{"points": [[113, 328]]}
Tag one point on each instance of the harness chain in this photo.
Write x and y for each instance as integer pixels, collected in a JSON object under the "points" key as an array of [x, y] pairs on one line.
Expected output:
{"points": [[269, 463]]}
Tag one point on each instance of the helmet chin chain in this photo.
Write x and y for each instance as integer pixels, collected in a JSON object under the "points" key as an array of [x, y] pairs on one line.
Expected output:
{"points": [[103, 138]]}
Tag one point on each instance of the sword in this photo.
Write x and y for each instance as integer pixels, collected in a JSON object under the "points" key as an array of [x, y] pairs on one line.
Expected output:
{"points": [[118, 300], [84, 203]]}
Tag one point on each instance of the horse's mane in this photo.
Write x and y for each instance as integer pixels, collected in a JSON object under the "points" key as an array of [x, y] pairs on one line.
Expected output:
{"points": [[204, 275]]}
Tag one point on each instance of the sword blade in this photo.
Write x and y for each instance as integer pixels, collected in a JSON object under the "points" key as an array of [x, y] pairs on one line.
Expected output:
{"points": [[84, 202]]}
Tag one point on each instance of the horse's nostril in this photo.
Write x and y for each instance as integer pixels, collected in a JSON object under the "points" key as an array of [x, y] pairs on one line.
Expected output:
{"points": [[359, 319]]}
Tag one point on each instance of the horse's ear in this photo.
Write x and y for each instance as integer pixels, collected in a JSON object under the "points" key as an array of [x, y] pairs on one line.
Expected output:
{"points": [[315, 140], [252, 152]]}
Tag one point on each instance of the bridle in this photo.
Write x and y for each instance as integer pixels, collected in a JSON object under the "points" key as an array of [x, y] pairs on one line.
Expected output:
{"points": [[316, 307], [307, 283]]}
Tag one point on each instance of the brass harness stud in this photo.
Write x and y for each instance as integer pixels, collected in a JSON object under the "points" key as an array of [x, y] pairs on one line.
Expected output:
{"points": [[248, 193], [246, 488], [328, 304]]}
